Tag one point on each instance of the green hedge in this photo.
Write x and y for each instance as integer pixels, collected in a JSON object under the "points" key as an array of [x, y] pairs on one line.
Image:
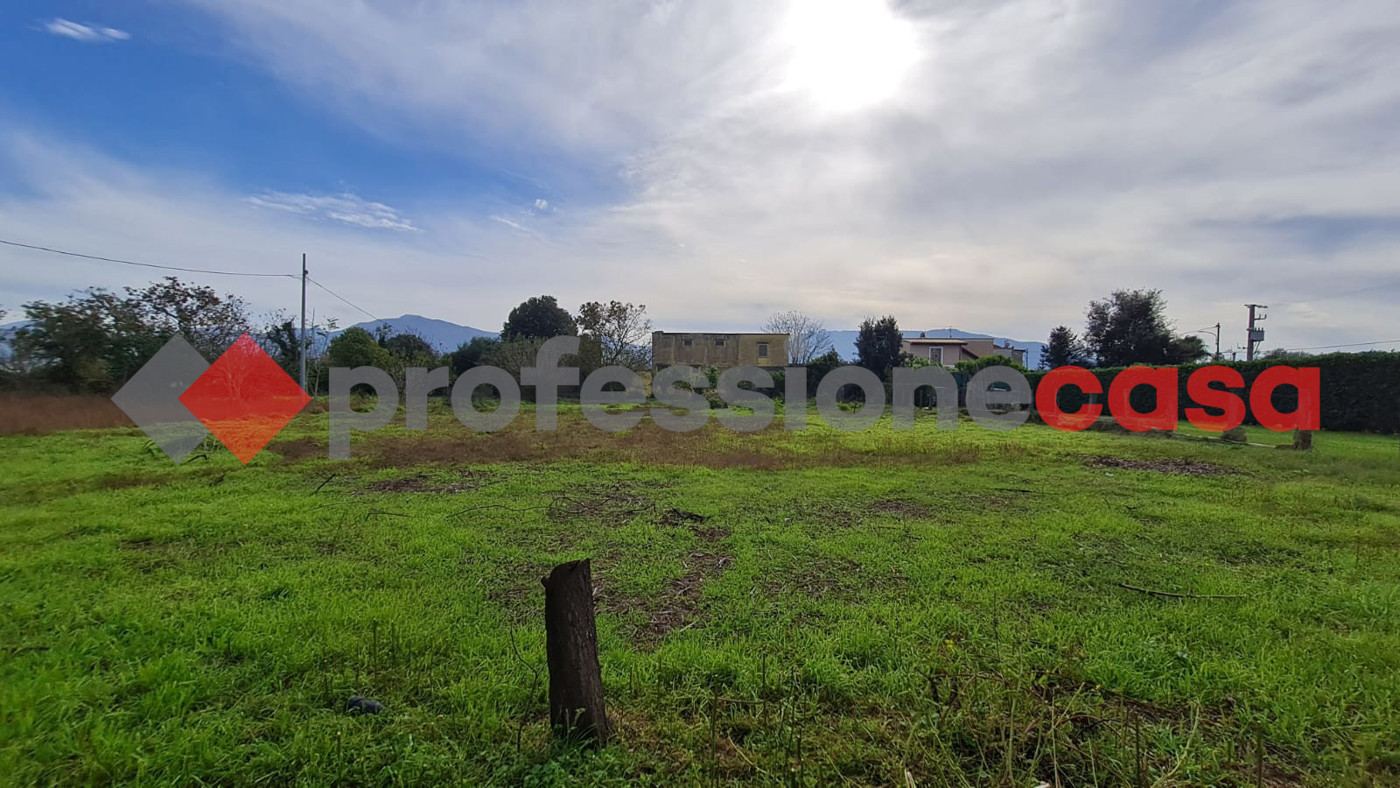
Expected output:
{"points": [[1360, 391]]}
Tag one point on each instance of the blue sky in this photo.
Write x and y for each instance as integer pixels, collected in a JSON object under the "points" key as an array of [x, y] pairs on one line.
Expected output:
{"points": [[986, 165]]}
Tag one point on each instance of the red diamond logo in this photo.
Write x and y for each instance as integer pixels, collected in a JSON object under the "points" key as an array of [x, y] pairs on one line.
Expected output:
{"points": [[244, 398]]}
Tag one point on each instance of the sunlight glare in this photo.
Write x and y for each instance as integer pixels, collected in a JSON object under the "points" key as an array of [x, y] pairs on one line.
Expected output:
{"points": [[847, 54]]}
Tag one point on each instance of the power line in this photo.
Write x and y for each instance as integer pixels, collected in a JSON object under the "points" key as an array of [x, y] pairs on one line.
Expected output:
{"points": [[133, 262], [342, 298], [1353, 344], [179, 268]]}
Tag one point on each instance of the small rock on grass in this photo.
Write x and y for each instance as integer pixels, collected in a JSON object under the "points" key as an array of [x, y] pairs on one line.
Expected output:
{"points": [[359, 705]]}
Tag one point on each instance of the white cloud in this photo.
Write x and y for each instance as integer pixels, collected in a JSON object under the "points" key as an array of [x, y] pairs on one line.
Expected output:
{"points": [[86, 33], [345, 208], [541, 204], [1030, 155]]}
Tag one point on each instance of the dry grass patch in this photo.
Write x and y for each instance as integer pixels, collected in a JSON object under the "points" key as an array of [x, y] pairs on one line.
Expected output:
{"points": [[42, 414]]}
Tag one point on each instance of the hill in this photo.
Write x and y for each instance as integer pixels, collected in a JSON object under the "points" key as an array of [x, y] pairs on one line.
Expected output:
{"points": [[443, 335]]}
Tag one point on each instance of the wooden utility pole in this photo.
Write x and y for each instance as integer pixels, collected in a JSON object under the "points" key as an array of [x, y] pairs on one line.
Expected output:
{"points": [[571, 646]]}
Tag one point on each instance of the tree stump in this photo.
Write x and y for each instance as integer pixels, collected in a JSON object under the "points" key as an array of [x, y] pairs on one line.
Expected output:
{"points": [[576, 706]]}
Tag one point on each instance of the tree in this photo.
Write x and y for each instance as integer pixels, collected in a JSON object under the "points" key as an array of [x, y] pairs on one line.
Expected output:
{"points": [[279, 340], [1062, 350], [974, 365], [818, 368], [96, 339], [1187, 350], [614, 334], [1130, 327], [355, 347], [807, 337], [471, 354], [517, 354], [409, 347], [538, 318], [208, 321], [1279, 352], [879, 345]]}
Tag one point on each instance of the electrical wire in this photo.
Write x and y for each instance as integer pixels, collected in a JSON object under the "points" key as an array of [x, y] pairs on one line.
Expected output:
{"points": [[1353, 344], [342, 298], [142, 265], [101, 258]]}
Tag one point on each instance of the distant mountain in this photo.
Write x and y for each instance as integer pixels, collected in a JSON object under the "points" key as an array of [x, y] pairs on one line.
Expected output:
{"points": [[845, 342], [441, 334]]}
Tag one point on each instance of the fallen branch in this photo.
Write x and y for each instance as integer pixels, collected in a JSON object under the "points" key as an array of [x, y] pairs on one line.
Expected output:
{"points": [[1172, 595], [324, 483]]}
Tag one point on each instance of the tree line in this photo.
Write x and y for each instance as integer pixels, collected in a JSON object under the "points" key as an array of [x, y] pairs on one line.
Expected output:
{"points": [[95, 340]]}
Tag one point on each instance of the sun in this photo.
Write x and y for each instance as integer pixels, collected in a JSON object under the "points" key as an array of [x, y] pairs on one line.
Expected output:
{"points": [[847, 54]]}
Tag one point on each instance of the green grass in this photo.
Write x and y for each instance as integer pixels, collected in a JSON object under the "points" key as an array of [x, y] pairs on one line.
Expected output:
{"points": [[850, 607]]}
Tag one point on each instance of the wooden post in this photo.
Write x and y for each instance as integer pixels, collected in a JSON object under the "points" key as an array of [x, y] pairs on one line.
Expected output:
{"points": [[571, 644]]}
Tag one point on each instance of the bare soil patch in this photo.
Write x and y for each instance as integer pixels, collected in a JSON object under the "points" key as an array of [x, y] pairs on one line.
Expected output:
{"points": [[679, 518], [464, 480], [1186, 467], [617, 501], [298, 450], [677, 607], [901, 508]]}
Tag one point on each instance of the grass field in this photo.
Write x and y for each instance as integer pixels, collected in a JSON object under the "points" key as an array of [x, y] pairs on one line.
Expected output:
{"points": [[813, 608]]}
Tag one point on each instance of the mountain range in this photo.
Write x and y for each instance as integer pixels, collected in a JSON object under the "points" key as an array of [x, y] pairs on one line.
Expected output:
{"points": [[441, 334]]}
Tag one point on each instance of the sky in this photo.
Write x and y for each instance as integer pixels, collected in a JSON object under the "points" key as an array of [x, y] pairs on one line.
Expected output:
{"points": [[986, 165]]}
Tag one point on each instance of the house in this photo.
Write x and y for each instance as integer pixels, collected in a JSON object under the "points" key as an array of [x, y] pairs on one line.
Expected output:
{"points": [[949, 351], [718, 350]]}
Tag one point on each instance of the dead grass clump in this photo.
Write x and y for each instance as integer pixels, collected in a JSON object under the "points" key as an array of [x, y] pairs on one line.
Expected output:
{"points": [[42, 414]]}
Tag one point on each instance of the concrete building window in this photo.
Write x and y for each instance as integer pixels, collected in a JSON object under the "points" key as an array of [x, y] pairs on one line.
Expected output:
{"points": [[763, 350], [719, 343], [687, 343], [935, 353]]}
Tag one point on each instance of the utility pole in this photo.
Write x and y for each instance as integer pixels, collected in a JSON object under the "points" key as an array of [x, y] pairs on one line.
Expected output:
{"points": [[1213, 330], [301, 336], [1256, 335]]}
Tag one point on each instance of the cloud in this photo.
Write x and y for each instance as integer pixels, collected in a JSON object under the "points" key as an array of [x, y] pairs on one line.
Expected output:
{"points": [[345, 208], [1031, 155], [86, 33]]}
